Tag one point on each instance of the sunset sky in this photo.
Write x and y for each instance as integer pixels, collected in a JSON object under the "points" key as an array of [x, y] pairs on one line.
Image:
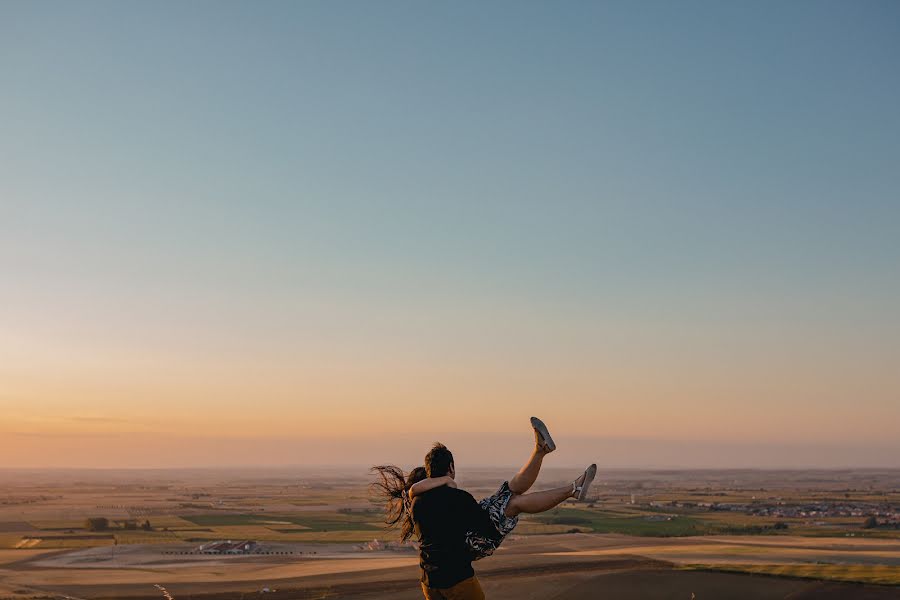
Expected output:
{"points": [[330, 233]]}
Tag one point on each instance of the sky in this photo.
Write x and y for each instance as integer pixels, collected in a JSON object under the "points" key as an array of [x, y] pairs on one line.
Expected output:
{"points": [[237, 233]]}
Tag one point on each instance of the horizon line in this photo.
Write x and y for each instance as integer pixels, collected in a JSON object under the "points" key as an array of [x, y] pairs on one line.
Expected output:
{"points": [[468, 468]]}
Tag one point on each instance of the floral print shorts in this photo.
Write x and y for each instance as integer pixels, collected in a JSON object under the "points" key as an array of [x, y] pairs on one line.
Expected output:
{"points": [[495, 506]]}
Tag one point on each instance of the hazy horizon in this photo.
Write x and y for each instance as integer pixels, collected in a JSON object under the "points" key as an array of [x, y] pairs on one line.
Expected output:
{"points": [[238, 232], [508, 450]]}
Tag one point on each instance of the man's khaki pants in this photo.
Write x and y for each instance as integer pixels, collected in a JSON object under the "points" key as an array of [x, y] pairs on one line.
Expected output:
{"points": [[468, 589]]}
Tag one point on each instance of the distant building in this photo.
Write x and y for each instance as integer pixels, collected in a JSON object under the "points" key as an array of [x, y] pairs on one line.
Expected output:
{"points": [[376, 545], [229, 547]]}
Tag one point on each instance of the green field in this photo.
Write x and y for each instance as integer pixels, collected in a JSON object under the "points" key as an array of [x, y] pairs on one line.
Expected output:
{"points": [[605, 522]]}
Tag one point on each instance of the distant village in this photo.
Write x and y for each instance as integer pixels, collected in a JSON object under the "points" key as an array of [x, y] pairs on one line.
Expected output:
{"points": [[876, 515]]}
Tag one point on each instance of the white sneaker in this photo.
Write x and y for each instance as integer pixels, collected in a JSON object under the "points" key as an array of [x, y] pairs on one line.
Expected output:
{"points": [[544, 439], [579, 492]]}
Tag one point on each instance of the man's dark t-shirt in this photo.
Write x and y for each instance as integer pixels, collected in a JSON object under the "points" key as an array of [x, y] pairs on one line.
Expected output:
{"points": [[442, 517]]}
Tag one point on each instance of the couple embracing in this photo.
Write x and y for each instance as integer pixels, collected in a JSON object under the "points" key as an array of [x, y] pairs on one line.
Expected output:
{"points": [[452, 528]]}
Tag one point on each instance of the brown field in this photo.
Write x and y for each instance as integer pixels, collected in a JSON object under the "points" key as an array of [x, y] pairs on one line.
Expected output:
{"points": [[555, 566], [312, 529]]}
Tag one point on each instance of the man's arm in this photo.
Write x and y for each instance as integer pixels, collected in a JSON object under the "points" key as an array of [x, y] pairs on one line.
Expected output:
{"points": [[423, 486]]}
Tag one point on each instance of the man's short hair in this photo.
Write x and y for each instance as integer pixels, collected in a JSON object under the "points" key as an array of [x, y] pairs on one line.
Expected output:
{"points": [[438, 460]]}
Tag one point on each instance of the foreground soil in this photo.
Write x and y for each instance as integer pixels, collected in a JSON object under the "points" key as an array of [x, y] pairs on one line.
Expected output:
{"points": [[559, 567], [614, 579]]}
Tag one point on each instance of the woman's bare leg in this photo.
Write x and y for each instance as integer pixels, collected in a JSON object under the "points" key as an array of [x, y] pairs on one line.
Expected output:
{"points": [[537, 502], [525, 478], [540, 501]]}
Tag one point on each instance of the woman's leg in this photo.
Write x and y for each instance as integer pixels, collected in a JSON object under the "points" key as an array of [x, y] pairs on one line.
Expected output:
{"points": [[540, 501], [525, 478]]}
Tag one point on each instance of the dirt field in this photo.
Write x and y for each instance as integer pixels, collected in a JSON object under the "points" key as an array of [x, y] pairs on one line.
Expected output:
{"points": [[551, 566], [620, 579], [316, 532], [750, 550]]}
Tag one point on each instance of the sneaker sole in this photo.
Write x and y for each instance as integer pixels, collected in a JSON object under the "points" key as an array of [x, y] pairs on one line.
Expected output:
{"points": [[546, 440], [589, 475]]}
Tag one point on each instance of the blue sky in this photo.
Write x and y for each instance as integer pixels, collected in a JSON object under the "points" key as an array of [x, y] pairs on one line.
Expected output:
{"points": [[602, 194]]}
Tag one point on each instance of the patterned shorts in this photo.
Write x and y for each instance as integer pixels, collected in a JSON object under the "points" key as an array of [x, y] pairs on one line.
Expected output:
{"points": [[496, 508]]}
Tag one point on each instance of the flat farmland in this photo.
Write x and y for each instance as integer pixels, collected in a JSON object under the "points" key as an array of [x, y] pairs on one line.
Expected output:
{"points": [[570, 564], [310, 521], [321, 533]]}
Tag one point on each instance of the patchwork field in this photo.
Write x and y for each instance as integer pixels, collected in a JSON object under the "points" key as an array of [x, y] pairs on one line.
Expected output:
{"points": [[89, 535]]}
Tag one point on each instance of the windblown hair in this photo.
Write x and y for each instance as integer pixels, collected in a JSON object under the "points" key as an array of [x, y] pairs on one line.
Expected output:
{"points": [[393, 488]]}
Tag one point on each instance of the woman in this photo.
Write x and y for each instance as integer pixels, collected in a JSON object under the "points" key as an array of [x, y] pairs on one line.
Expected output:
{"points": [[504, 506]]}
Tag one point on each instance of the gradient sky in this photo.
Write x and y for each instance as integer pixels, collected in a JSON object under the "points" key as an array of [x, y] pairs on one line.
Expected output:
{"points": [[318, 232]]}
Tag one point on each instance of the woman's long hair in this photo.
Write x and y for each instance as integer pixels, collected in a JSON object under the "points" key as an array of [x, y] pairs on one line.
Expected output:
{"points": [[393, 487]]}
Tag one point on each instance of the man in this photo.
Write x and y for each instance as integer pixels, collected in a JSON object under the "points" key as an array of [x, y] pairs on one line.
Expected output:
{"points": [[442, 518]]}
